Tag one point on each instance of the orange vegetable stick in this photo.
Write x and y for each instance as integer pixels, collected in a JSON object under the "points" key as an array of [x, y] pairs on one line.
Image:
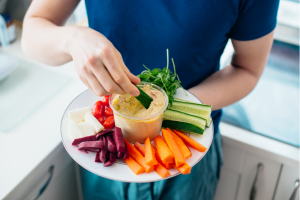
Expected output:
{"points": [[179, 160], [162, 171], [137, 156], [184, 169], [134, 166], [159, 168], [140, 148], [166, 165], [189, 141], [149, 155], [164, 151], [182, 146]]}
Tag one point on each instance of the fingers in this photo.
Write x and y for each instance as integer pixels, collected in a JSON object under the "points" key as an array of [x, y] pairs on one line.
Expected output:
{"points": [[85, 82], [106, 80], [96, 87], [134, 79], [117, 73]]}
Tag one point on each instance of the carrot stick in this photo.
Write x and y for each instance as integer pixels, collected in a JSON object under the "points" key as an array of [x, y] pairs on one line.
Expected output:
{"points": [[179, 160], [149, 155], [159, 168], [182, 146], [189, 141], [184, 169], [162, 171], [134, 166], [163, 150], [140, 148], [137, 156], [166, 165]]}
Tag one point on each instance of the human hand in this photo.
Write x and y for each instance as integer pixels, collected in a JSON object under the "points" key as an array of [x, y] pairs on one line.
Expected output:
{"points": [[99, 64]]}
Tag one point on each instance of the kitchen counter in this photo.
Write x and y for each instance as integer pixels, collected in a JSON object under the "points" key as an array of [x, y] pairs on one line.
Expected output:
{"points": [[25, 146]]}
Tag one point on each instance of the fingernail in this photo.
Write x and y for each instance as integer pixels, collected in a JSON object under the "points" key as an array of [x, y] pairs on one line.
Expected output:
{"points": [[135, 94]]}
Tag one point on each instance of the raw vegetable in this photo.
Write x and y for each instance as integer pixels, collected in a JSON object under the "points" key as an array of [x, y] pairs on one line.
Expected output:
{"points": [[137, 156], [162, 171], [103, 151], [164, 78], [74, 131], [182, 146], [174, 115], [119, 140], [189, 141], [102, 142], [182, 126], [78, 114], [159, 168], [100, 119], [140, 148], [106, 100], [84, 139], [166, 165], [149, 154], [182, 100], [144, 98], [97, 157], [90, 146], [184, 169], [199, 110], [134, 166], [126, 153], [86, 129], [104, 132], [179, 160], [111, 159], [111, 146], [89, 118], [191, 107], [108, 112], [164, 151], [109, 122], [98, 109], [120, 154]]}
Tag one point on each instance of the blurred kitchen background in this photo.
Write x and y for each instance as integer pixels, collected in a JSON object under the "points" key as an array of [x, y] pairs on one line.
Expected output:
{"points": [[260, 130]]}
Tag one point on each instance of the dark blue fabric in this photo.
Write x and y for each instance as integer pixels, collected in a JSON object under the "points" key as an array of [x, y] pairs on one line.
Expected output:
{"points": [[195, 32]]}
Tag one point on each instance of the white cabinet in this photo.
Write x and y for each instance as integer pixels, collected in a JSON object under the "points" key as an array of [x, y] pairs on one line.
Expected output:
{"points": [[230, 173], [228, 184], [286, 184], [243, 151], [266, 179], [62, 185]]}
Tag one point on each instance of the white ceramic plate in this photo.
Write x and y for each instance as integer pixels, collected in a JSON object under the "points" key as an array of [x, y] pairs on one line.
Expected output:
{"points": [[120, 171]]}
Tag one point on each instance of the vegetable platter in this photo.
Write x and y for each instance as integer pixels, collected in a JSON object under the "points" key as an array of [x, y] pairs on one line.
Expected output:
{"points": [[119, 170]]}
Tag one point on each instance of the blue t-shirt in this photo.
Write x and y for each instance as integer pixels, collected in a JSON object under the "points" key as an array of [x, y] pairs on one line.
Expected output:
{"points": [[194, 31]]}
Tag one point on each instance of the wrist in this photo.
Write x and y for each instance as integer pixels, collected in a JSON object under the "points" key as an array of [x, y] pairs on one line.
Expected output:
{"points": [[69, 37]]}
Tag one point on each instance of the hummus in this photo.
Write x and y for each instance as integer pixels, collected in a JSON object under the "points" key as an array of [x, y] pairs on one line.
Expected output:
{"points": [[137, 122], [130, 106]]}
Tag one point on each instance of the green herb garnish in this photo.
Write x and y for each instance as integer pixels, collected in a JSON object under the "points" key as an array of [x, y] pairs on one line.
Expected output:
{"points": [[164, 78]]}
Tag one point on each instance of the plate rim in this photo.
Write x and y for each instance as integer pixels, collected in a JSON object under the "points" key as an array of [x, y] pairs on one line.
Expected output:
{"points": [[160, 179]]}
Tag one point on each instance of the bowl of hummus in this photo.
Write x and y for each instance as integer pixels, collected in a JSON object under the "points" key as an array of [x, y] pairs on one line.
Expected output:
{"points": [[137, 122]]}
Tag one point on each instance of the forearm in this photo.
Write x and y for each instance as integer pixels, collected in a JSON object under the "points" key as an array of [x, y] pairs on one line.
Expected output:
{"points": [[46, 42], [225, 87]]}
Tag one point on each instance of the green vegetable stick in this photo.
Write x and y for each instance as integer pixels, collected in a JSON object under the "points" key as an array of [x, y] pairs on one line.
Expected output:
{"points": [[144, 98]]}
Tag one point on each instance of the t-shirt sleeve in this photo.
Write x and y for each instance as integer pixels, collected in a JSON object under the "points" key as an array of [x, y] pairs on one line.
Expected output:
{"points": [[256, 18]]}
